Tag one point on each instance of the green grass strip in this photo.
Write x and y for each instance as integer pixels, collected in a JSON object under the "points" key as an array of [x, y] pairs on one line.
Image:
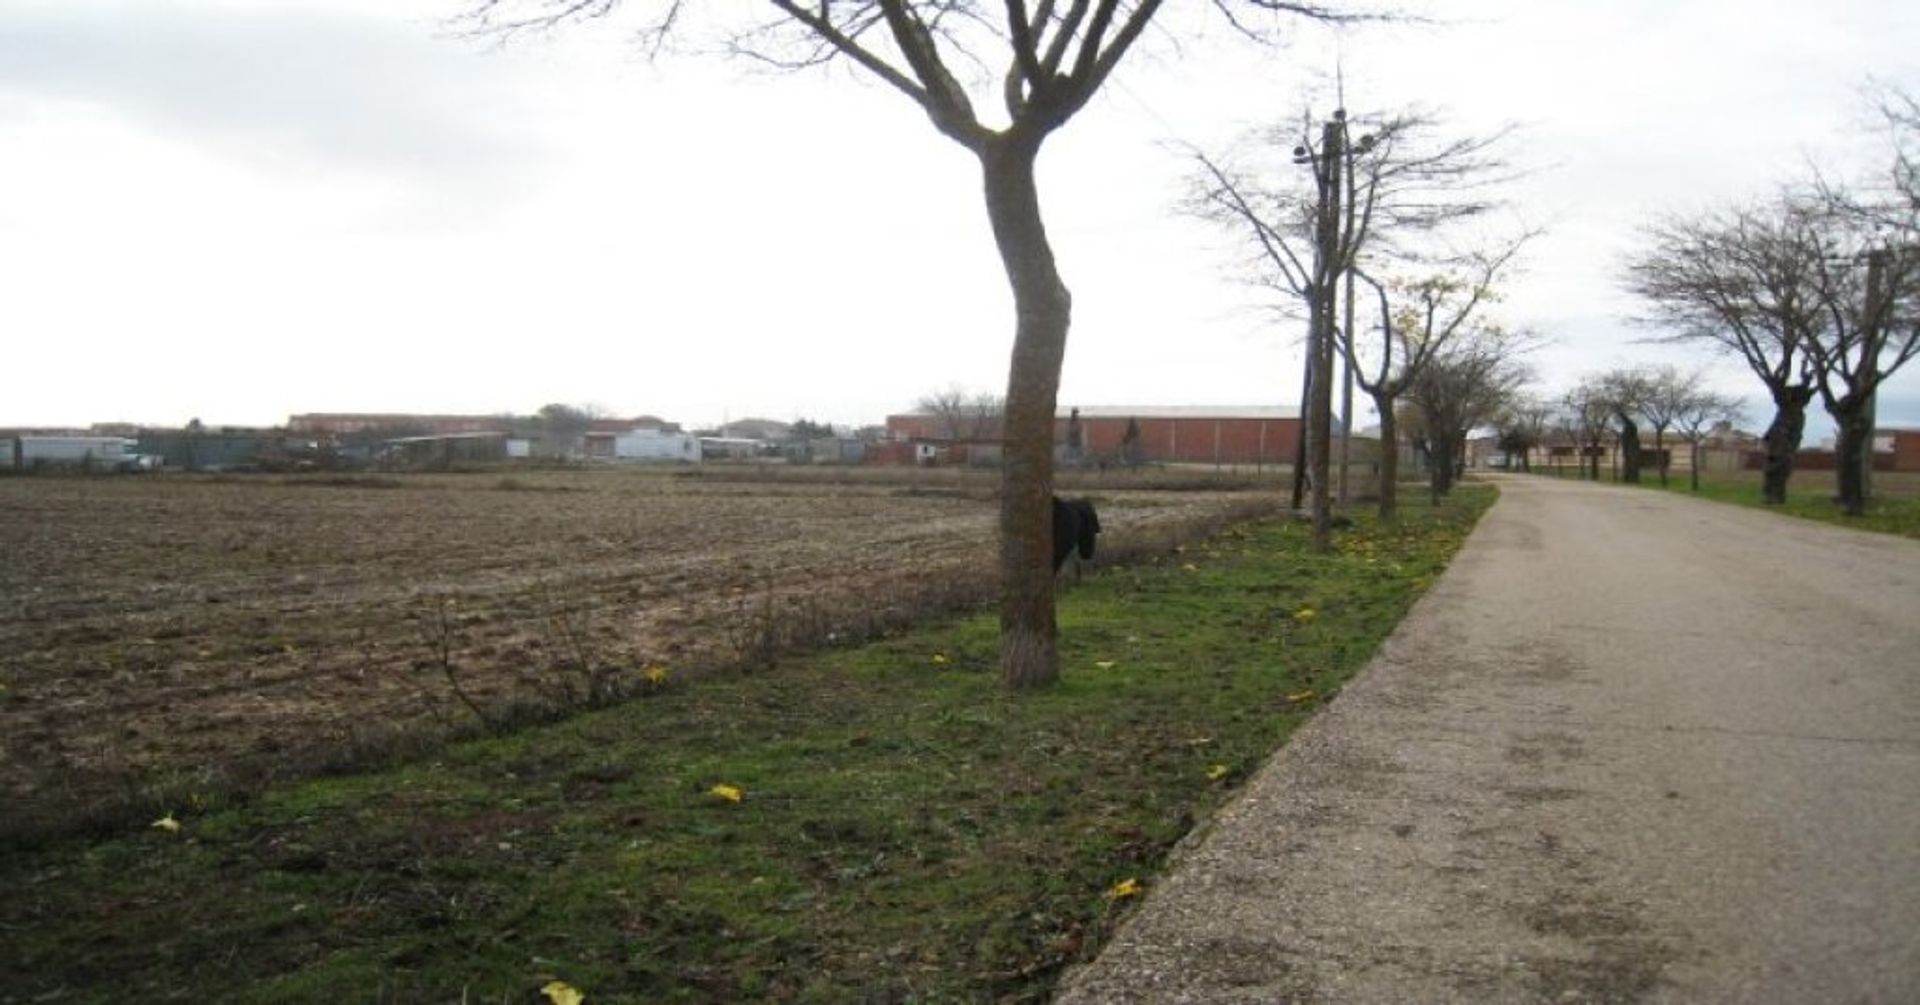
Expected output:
{"points": [[1810, 496], [904, 830]]}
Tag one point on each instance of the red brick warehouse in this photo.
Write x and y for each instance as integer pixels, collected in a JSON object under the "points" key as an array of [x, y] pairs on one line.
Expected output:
{"points": [[1190, 434]]}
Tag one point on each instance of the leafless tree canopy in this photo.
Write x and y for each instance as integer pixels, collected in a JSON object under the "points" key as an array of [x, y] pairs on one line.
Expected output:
{"points": [[1039, 60], [1464, 387], [1405, 186], [1743, 279], [963, 416]]}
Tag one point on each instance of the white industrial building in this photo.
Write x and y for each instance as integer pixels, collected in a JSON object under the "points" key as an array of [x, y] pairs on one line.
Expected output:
{"points": [[656, 445], [68, 451]]}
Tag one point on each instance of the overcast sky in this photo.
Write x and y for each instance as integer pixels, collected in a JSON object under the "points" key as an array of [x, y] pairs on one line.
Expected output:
{"points": [[239, 210]]}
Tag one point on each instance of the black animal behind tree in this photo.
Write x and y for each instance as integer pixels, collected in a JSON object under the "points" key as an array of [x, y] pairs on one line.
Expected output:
{"points": [[1074, 526]]}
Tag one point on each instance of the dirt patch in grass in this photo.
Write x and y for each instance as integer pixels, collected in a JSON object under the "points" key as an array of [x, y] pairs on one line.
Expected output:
{"points": [[880, 822]]}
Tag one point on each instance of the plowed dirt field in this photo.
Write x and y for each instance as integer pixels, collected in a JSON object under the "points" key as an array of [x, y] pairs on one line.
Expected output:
{"points": [[164, 635]]}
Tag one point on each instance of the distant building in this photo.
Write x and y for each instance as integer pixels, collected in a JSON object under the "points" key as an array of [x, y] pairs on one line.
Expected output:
{"points": [[602, 439], [396, 423], [656, 445], [720, 448], [522, 437], [104, 453], [210, 449], [1905, 448], [766, 430], [1189, 434], [825, 450], [1893, 450], [441, 450]]}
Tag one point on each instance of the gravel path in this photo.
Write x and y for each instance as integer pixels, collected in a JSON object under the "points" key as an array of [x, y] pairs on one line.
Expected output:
{"points": [[1631, 747]]}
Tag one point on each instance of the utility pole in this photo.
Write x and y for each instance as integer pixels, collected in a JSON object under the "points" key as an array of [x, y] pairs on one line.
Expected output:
{"points": [[1878, 316], [1328, 266], [1346, 390], [1334, 240]]}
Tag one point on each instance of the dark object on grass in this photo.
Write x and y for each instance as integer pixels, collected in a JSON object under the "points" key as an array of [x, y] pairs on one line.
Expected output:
{"points": [[1336, 521], [1074, 526]]}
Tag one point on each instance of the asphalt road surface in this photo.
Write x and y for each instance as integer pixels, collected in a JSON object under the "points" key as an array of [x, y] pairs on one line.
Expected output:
{"points": [[1631, 747]]}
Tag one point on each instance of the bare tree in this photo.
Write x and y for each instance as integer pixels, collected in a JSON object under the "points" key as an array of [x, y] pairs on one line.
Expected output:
{"points": [[1744, 281], [1585, 416], [1419, 321], [1523, 427], [1899, 209], [563, 427], [1868, 281], [962, 415], [1669, 395], [1872, 300], [1461, 389], [1696, 411], [984, 413], [1053, 57], [1376, 182], [1625, 393]]}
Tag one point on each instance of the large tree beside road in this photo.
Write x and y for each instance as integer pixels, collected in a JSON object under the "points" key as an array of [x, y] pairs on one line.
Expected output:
{"points": [[1743, 280], [1040, 62], [1869, 283], [1817, 290]]}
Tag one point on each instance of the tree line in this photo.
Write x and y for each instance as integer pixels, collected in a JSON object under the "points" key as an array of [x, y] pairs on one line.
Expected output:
{"points": [[1393, 204], [1613, 414], [1815, 289]]}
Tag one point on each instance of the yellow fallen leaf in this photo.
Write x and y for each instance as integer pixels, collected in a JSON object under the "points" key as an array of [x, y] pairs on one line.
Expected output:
{"points": [[939, 659], [656, 675], [1218, 772], [562, 993], [1302, 697], [1103, 664], [1189, 567], [168, 823], [1305, 614], [1128, 887], [730, 793]]}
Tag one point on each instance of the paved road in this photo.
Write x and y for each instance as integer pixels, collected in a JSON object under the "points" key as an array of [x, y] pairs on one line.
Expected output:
{"points": [[1630, 747]]}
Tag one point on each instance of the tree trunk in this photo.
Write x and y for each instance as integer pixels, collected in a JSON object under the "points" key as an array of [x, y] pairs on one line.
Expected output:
{"points": [[1043, 311], [1389, 457], [1660, 452], [1440, 477], [1632, 459], [1783, 440], [1853, 452], [1695, 455], [1300, 442], [1320, 456], [1326, 294]]}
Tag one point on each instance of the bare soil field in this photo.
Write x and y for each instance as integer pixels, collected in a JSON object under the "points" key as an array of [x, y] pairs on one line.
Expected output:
{"points": [[179, 637]]}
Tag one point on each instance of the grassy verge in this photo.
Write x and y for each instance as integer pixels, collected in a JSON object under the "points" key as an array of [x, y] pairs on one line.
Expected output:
{"points": [[1894, 508], [1885, 514], [879, 823]]}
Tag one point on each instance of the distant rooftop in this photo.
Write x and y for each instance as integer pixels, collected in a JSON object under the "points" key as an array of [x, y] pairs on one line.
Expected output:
{"points": [[1183, 411]]}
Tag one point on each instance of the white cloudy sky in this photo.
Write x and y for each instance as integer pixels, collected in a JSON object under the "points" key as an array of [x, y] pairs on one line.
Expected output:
{"points": [[239, 209]]}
